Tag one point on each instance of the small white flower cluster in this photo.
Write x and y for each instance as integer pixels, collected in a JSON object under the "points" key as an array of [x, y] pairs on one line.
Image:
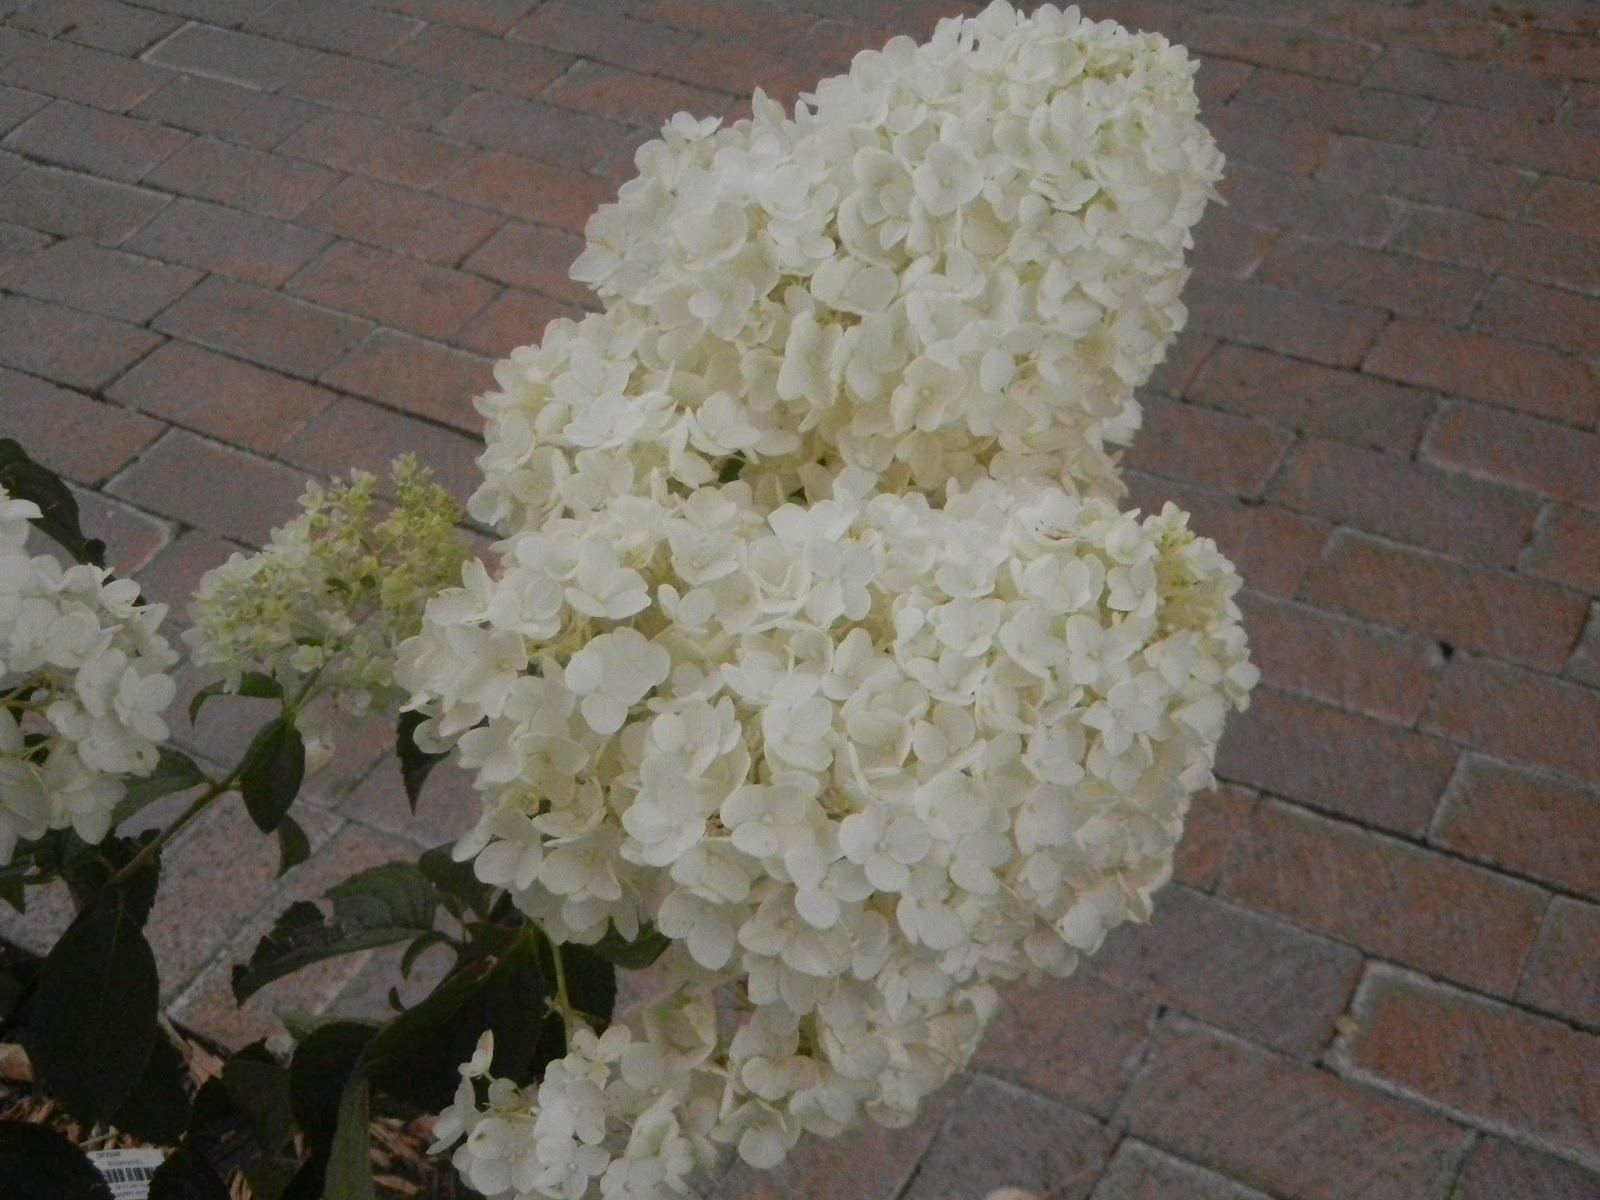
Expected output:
{"points": [[819, 642], [324, 605], [83, 685]]}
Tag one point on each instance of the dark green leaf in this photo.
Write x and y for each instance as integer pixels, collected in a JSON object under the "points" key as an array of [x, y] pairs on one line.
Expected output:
{"points": [[37, 1163], [254, 684], [157, 1109], [271, 1176], [416, 1055], [175, 772], [186, 1175], [321, 1066], [294, 847], [378, 907], [258, 1086], [92, 1022], [87, 869], [28, 480], [459, 888], [591, 984], [415, 764], [270, 776], [349, 1175], [634, 955]]}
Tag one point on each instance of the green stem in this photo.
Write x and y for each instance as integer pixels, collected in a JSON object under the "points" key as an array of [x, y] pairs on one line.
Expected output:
{"points": [[563, 999]]}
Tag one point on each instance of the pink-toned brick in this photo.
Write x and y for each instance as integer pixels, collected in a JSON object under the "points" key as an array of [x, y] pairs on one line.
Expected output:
{"points": [[1234, 969], [1385, 494], [267, 64], [1310, 206], [1336, 761], [100, 143], [1490, 612], [391, 289], [1566, 548], [1563, 975], [389, 93], [74, 205], [133, 539], [1216, 820], [647, 101], [1534, 146], [1203, 446], [532, 256], [543, 132], [1141, 1172], [421, 377], [244, 496], [226, 110], [116, 28], [1555, 460], [1388, 897], [1482, 367], [1316, 400], [240, 177], [80, 73], [514, 318], [1544, 315], [1371, 671], [96, 279], [1305, 52], [263, 327], [1404, 286], [1520, 715], [243, 245], [352, 433], [397, 218], [1501, 1169], [533, 190], [516, 68], [342, 29], [1523, 822], [1293, 323], [1566, 205], [1492, 1064], [1338, 107], [1285, 1127], [592, 31], [232, 401], [367, 146], [17, 105], [1410, 173], [1225, 245], [1478, 85], [83, 439], [1108, 1025], [70, 347]]}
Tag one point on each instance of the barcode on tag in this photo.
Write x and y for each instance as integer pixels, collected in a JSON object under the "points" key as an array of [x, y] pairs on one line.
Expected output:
{"points": [[127, 1171]]}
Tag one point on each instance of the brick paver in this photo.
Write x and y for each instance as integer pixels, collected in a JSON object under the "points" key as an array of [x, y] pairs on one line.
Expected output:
{"points": [[244, 241]]}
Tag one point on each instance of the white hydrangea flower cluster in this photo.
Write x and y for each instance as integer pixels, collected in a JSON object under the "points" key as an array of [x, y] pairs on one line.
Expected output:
{"points": [[959, 259], [819, 642], [83, 684], [324, 605]]}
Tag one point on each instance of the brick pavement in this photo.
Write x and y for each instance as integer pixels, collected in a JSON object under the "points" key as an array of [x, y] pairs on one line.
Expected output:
{"points": [[242, 241]]}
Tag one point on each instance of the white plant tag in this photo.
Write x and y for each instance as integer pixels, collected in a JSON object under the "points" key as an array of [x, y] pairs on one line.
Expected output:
{"points": [[127, 1171]]}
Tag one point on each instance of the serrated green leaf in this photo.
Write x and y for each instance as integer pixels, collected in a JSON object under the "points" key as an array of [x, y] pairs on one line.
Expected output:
{"points": [[26, 479], [37, 1161], [294, 847], [253, 684], [270, 1177], [273, 768], [459, 888], [87, 869], [632, 954], [175, 772], [416, 1056], [92, 1022], [415, 764], [379, 907], [257, 1085]]}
